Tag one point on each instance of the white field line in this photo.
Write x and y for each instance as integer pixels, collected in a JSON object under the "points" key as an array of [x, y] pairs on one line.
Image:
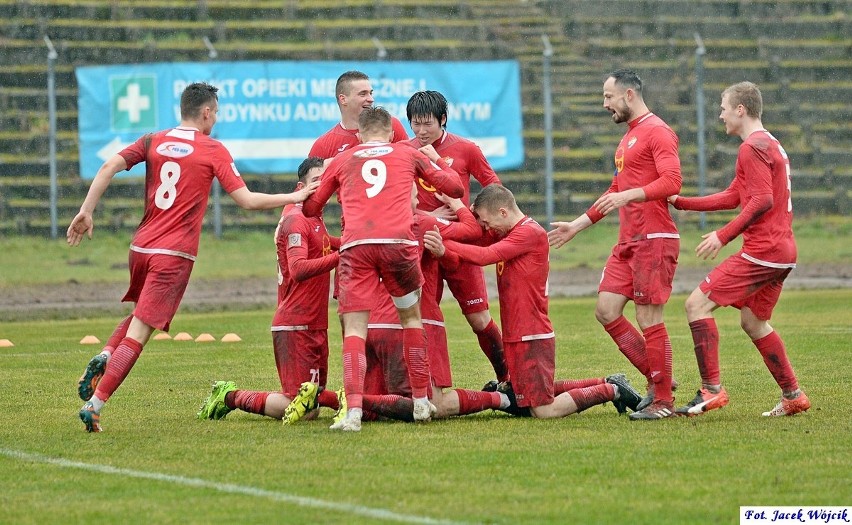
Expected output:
{"points": [[229, 488]]}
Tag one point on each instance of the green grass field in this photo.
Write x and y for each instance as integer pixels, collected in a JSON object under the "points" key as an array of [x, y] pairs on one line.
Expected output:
{"points": [[155, 463]]}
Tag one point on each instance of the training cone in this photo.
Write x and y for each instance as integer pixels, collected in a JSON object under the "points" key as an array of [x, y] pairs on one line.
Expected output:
{"points": [[89, 340], [183, 336], [204, 338], [162, 336], [5, 343], [231, 338]]}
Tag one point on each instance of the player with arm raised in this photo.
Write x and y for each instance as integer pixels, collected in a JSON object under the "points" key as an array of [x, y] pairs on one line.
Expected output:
{"points": [[427, 115], [642, 265], [180, 165], [306, 255], [378, 247], [752, 278], [518, 247]]}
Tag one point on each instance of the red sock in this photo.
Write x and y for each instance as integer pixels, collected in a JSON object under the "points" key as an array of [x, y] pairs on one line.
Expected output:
{"points": [[472, 401], [659, 351], [354, 368], [705, 337], [118, 366], [328, 399], [771, 347], [390, 406], [564, 385], [118, 334], [592, 395], [417, 360], [491, 343], [630, 342], [250, 401]]}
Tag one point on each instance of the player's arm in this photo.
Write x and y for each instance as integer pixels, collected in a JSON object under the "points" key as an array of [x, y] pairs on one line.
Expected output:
{"points": [[667, 165], [296, 238], [252, 200], [328, 184], [504, 249], [83, 223], [481, 169], [727, 199], [466, 228], [443, 178]]}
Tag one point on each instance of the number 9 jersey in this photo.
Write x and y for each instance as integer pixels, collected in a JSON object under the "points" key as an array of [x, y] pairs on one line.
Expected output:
{"points": [[376, 182], [180, 165]]}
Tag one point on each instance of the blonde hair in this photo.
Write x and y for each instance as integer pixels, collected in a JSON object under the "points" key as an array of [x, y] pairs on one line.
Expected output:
{"points": [[747, 94]]}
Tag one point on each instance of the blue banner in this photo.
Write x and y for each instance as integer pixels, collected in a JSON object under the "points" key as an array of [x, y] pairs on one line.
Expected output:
{"points": [[270, 113]]}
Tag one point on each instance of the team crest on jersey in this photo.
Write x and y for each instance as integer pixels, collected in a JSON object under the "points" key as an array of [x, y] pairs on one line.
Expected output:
{"points": [[619, 160], [175, 150], [449, 161], [294, 239], [631, 142], [377, 151]]}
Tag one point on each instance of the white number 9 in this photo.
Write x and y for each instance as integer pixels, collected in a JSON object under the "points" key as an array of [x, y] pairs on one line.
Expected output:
{"points": [[375, 173]]}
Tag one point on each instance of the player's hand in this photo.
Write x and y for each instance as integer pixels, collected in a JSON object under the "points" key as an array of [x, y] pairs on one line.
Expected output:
{"points": [[452, 203], [611, 201], [304, 192], [561, 234], [433, 242], [430, 152], [81, 224], [709, 247], [444, 212]]}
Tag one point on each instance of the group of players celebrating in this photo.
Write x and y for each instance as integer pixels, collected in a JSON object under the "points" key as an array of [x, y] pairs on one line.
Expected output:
{"points": [[409, 225]]}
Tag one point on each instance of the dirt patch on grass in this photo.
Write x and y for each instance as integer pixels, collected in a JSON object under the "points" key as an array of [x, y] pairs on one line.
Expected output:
{"points": [[74, 300]]}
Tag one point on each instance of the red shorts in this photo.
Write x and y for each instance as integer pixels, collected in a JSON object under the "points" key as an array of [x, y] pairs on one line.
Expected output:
{"points": [[439, 355], [532, 365], [738, 283], [386, 370], [157, 284], [642, 270], [467, 283], [300, 356], [366, 270]]}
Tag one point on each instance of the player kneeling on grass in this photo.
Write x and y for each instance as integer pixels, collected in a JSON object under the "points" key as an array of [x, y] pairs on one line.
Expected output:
{"points": [[518, 246], [306, 255], [752, 278]]}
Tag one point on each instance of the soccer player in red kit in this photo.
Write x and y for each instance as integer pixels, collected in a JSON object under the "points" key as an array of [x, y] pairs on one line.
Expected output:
{"points": [[518, 247], [306, 255], [752, 278], [642, 265], [427, 115], [181, 164], [353, 93], [378, 247], [393, 402]]}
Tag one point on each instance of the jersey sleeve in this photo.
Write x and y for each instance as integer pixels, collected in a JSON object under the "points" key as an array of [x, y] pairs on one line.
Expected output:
{"points": [[329, 183], [297, 239], [667, 162], [480, 168], [136, 152], [503, 250], [724, 200], [440, 175], [225, 170]]}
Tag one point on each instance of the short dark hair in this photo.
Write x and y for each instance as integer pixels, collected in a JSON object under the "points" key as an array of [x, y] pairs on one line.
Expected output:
{"points": [[375, 119], [347, 78], [307, 165], [425, 103], [194, 97], [494, 197], [747, 94], [627, 79]]}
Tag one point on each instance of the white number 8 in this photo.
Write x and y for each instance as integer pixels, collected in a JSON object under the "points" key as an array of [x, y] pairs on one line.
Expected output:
{"points": [[166, 192], [375, 173]]}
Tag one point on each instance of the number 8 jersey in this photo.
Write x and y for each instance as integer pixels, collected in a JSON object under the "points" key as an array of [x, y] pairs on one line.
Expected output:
{"points": [[180, 165]]}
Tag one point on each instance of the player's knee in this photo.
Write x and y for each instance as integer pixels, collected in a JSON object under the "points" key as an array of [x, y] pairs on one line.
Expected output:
{"points": [[408, 300]]}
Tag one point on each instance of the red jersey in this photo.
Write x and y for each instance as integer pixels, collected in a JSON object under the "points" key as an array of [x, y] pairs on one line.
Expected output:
{"points": [[180, 165], [466, 159], [305, 258], [646, 158], [761, 187], [522, 264], [338, 138], [375, 181]]}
